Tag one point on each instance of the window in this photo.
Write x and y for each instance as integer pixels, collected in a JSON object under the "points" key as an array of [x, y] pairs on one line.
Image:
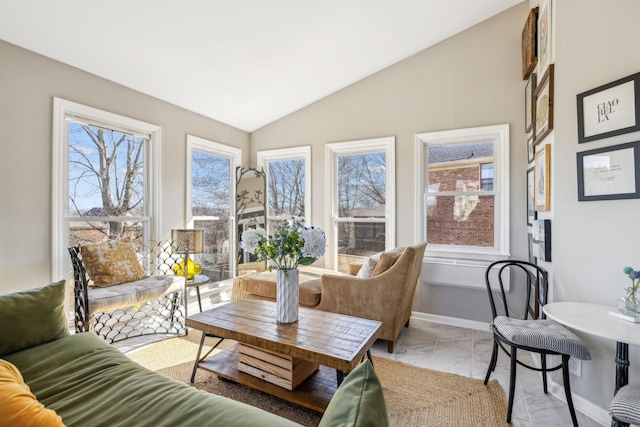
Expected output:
{"points": [[210, 194], [465, 188], [361, 176], [103, 175], [288, 173]]}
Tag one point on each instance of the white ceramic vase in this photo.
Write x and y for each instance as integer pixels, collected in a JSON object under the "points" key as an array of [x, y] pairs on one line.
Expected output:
{"points": [[287, 296]]}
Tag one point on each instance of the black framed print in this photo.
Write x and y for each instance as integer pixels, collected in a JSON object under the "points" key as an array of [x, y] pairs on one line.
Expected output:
{"points": [[531, 202], [609, 173], [609, 110]]}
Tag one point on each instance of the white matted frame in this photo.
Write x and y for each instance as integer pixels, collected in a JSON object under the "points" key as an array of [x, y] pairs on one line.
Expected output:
{"points": [[609, 110], [545, 35]]}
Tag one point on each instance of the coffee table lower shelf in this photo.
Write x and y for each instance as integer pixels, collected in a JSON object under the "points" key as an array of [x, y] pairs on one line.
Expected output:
{"points": [[314, 393]]}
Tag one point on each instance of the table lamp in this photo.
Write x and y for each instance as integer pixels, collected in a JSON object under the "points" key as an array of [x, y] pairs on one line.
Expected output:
{"points": [[188, 241]]}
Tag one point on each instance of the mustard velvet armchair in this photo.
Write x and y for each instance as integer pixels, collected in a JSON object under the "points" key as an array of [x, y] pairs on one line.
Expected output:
{"points": [[386, 297]]}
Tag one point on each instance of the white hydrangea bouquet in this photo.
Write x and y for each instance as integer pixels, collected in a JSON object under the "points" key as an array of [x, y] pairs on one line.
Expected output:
{"points": [[291, 245]]}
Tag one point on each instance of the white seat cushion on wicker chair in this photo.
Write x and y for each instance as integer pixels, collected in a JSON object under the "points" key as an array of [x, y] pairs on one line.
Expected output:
{"points": [[625, 405], [133, 293], [543, 334]]}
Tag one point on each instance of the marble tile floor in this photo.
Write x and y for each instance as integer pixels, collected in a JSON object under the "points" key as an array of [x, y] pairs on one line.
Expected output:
{"points": [[460, 351], [468, 352]]}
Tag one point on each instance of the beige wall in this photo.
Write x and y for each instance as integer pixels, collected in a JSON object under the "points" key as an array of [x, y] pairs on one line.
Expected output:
{"points": [[28, 83], [596, 43], [472, 79]]}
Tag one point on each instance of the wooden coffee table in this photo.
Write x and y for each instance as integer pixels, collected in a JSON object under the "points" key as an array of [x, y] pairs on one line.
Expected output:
{"points": [[335, 341]]}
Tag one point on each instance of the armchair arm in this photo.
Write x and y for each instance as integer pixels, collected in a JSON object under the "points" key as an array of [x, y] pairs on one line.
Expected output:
{"points": [[376, 298]]}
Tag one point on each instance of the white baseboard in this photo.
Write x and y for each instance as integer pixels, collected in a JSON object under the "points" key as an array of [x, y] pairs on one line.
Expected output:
{"points": [[588, 408], [452, 321]]}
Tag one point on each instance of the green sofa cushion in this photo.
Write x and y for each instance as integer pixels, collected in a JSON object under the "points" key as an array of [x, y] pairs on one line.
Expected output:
{"points": [[32, 317], [90, 383], [358, 402]]}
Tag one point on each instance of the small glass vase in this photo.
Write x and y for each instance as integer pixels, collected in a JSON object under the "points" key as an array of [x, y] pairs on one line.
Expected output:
{"points": [[287, 295], [632, 302]]}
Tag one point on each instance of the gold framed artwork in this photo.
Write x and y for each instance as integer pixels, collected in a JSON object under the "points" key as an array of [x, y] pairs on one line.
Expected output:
{"points": [[543, 179], [543, 107], [529, 54], [544, 36]]}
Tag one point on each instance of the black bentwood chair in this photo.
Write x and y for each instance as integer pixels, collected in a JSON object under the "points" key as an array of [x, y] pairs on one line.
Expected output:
{"points": [[514, 330]]}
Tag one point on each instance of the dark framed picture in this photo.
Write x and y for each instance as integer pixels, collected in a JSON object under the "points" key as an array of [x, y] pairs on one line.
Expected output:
{"points": [[544, 35], [531, 205], [609, 173], [528, 102], [543, 180], [609, 110], [542, 236], [530, 148], [543, 107], [529, 52]]}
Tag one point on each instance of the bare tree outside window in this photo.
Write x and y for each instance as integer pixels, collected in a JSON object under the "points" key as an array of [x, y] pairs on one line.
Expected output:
{"points": [[210, 198], [286, 191], [106, 184], [361, 194]]}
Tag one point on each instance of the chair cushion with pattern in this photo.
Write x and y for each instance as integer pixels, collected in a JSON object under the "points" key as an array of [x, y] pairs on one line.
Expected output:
{"points": [[544, 334], [625, 406]]}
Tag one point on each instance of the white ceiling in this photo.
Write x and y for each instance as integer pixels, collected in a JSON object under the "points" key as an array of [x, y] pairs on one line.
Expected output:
{"points": [[245, 63]]}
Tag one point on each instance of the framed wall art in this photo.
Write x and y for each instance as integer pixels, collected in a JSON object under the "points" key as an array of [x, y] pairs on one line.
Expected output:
{"points": [[528, 102], [609, 110], [529, 53], [530, 148], [542, 236], [543, 180], [531, 203], [532, 249], [544, 36], [609, 173], [543, 107]]}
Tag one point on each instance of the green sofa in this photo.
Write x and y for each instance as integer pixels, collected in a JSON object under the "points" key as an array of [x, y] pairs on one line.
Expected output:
{"points": [[87, 382]]}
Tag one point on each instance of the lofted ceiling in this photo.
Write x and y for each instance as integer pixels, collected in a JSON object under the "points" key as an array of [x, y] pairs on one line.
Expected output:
{"points": [[245, 63]]}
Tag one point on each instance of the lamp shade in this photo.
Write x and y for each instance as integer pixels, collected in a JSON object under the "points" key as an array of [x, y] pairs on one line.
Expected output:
{"points": [[188, 240]]}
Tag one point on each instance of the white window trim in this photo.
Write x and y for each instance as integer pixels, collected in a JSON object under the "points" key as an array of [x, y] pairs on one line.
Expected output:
{"points": [[500, 135], [218, 149], [235, 157], [363, 146], [302, 152], [63, 111]]}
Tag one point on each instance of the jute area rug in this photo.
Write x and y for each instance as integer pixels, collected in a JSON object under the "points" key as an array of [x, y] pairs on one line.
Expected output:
{"points": [[414, 396]]}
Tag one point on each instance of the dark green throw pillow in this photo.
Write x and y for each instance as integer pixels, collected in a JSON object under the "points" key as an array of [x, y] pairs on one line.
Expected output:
{"points": [[32, 317], [358, 401]]}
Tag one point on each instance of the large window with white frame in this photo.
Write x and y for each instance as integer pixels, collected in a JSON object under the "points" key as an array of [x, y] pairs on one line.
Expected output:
{"points": [[210, 202], [361, 200], [104, 169], [288, 173], [464, 189]]}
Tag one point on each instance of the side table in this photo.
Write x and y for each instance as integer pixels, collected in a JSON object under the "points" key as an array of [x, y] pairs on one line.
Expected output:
{"points": [[197, 281]]}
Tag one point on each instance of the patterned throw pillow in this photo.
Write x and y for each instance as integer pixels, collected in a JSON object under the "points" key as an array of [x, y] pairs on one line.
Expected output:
{"points": [[111, 263]]}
